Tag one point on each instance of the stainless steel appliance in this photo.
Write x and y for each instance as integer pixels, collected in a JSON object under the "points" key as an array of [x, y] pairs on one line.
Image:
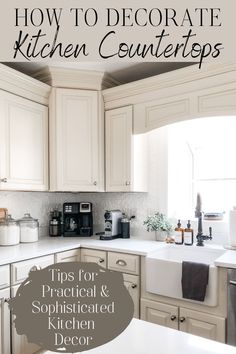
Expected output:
{"points": [[78, 219], [55, 228], [112, 225], [231, 308]]}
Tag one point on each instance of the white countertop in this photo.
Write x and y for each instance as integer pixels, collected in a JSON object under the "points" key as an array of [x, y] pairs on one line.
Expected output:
{"points": [[142, 337], [49, 245]]}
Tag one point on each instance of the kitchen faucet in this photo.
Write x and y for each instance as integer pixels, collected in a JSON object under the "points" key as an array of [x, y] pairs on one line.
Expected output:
{"points": [[198, 214]]}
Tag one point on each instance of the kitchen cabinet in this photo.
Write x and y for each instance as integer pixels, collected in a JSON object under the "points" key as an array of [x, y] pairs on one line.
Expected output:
{"points": [[20, 344], [68, 256], [23, 144], [132, 283], [4, 322], [76, 141], [4, 276], [95, 256], [186, 320], [125, 263], [202, 324], [126, 158], [158, 313]]}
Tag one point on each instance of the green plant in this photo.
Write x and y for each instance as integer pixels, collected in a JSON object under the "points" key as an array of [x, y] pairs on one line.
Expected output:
{"points": [[158, 222]]}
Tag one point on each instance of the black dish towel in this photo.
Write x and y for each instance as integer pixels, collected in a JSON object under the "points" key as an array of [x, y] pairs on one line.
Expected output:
{"points": [[194, 280]]}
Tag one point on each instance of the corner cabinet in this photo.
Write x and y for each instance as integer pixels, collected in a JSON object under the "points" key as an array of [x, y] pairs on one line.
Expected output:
{"points": [[76, 141], [126, 159], [23, 144]]}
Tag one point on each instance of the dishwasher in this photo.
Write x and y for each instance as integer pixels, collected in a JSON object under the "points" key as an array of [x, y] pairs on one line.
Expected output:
{"points": [[231, 307]]}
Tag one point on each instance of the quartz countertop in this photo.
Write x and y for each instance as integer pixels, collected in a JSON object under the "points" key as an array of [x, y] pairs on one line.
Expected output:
{"points": [[142, 337], [49, 245], [133, 245]]}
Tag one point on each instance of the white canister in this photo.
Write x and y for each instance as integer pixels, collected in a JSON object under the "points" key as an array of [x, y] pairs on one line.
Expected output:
{"points": [[29, 229], [9, 232], [232, 227]]}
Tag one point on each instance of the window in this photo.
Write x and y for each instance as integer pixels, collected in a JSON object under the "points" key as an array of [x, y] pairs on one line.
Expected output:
{"points": [[202, 159]]}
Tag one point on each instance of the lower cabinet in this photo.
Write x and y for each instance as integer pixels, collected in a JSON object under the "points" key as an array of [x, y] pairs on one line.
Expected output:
{"points": [[158, 313], [94, 256], [132, 283], [189, 321], [20, 344], [5, 347], [68, 256], [202, 324]]}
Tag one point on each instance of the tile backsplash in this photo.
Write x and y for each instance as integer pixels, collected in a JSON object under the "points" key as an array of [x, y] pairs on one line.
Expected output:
{"points": [[39, 205]]}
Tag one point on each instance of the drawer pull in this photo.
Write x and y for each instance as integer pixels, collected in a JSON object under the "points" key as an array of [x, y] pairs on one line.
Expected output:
{"points": [[133, 286], [101, 260], [121, 262], [95, 183], [182, 319], [173, 318], [35, 268], [232, 282]]}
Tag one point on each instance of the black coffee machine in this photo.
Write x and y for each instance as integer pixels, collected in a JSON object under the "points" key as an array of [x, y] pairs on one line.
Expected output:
{"points": [[78, 219]]}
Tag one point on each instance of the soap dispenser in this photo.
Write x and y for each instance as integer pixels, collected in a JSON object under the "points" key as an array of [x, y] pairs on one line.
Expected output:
{"points": [[179, 231], [188, 235]]}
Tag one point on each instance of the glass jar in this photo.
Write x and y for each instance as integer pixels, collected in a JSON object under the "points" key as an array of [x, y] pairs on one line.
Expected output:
{"points": [[9, 232], [29, 229]]}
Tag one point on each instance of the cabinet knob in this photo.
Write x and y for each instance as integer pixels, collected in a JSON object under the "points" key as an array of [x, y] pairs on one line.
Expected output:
{"points": [[127, 183], [173, 317], [121, 262], [101, 260], [182, 319], [95, 183], [133, 286], [3, 180]]}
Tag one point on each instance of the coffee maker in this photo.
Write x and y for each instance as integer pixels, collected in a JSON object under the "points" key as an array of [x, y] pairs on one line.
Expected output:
{"points": [[112, 225], [78, 219]]}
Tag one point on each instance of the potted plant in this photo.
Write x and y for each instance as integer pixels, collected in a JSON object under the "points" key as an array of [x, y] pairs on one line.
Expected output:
{"points": [[160, 224]]}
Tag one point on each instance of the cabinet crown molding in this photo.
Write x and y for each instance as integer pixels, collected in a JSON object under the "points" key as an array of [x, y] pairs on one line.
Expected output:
{"points": [[23, 85], [73, 78], [167, 80]]}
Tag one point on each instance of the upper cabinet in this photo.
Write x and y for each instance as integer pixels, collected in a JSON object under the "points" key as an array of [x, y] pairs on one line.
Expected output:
{"points": [[23, 144], [125, 153], [76, 140]]}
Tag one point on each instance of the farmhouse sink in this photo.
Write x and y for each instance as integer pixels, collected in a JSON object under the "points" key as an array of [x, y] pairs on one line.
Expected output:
{"points": [[164, 271]]}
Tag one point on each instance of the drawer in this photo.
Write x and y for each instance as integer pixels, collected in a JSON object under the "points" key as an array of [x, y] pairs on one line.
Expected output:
{"points": [[4, 276], [94, 256], [68, 256], [20, 270], [121, 262]]}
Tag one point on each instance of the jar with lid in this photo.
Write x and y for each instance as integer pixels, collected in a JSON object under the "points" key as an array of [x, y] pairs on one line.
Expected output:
{"points": [[29, 229], [9, 232]]}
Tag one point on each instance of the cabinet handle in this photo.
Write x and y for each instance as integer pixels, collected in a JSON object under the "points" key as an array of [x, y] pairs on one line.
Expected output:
{"points": [[101, 260], [232, 282], [182, 319], [133, 286], [121, 262], [34, 268], [3, 180], [173, 318], [127, 183], [95, 183]]}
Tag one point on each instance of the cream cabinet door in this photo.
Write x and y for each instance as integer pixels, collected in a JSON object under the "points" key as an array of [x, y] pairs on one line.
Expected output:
{"points": [[23, 144], [95, 256], [76, 141], [159, 313], [68, 256], [119, 125], [132, 283], [20, 344], [4, 322], [202, 324]]}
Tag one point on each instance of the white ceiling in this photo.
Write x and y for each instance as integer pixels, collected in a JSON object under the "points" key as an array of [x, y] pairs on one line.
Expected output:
{"points": [[122, 72]]}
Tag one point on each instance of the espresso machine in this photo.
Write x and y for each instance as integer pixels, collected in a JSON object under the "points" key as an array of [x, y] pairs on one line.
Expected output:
{"points": [[78, 219], [112, 225]]}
